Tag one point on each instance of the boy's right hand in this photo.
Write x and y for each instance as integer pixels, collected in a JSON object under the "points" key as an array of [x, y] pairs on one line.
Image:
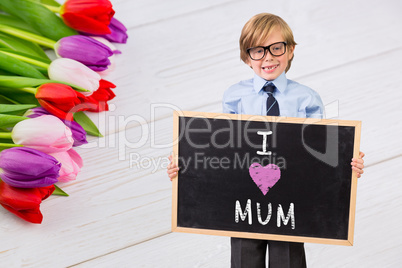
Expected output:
{"points": [[172, 169]]}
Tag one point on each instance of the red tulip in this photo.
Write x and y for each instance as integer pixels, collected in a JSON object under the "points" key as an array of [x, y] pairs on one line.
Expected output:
{"points": [[97, 101], [89, 16], [24, 202], [59, 99]]}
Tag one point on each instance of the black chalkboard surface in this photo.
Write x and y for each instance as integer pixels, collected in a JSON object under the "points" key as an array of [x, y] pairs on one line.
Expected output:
{"points": [[264, 177]]}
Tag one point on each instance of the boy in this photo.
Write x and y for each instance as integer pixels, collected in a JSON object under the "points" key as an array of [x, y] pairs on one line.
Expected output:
{"points": [[267, 46]]}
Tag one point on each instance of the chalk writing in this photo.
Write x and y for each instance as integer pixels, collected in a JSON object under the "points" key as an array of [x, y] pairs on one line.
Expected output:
{"points": [[264, 142], [280, 218]]}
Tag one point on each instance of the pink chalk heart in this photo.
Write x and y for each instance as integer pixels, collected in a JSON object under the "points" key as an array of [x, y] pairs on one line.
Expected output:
{"points": [[265, 177]]}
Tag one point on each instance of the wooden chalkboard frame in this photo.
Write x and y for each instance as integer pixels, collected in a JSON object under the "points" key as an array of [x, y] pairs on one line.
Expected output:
{"points": [[305, 121]]}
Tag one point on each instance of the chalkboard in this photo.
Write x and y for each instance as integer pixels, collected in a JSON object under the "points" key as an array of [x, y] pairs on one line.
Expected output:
{"points": [[273, 178]]}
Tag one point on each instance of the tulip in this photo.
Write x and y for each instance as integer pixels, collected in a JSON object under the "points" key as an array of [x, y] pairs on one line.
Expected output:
{"points": [[89, 16], [28, 168], [74, 72], [118, 32], [71, 164], [86, 50], [79, 134], [97, 102], [24, 202], [45, 133], [59, 99], [108, 44], [111, 58]]}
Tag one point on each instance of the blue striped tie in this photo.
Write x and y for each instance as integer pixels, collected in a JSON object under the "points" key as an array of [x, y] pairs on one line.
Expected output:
{"points": [[272, 104]]}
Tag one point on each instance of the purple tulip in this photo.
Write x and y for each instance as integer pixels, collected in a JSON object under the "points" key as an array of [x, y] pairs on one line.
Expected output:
{"points": [[36, 112], [86, 50], [118, 32], [79, 134], [28, 168]]}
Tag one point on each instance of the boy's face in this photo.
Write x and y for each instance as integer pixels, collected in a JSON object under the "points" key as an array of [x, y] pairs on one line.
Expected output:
{"points": [[270, 67]]}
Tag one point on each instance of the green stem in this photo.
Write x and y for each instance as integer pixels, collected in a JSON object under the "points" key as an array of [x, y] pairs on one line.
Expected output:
{"points": [[28, 36], [26, 59], [31, 90], [5, 135], [10, 145], [52, 8]]}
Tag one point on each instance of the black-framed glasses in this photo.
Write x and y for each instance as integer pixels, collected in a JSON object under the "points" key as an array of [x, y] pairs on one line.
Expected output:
{"points": [[276, 50]]}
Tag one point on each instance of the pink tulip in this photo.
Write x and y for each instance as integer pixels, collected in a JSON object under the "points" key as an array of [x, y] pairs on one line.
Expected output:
{"points": [[46, 133], [74, 72], [71, 164]]}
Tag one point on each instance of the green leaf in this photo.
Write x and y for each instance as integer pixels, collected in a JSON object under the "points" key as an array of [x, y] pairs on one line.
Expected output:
{"points": [[6, 140], [16, 22], [50, 3], [17, 44], [41, 70], [59, 191], [47, 2], [18, 67], [18, 97], [87, 124], [13, 108], [23, 82], [3, 72], [36, 61], [7, 120], [39, 17], [5, 100], [39, 39]]}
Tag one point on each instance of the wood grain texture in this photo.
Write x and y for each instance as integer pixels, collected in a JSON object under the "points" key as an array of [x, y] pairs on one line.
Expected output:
{"points": [[182, 55]]}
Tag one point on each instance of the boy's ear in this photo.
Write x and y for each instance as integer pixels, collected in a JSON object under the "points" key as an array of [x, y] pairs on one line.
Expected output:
{"points": [[291, 51]]}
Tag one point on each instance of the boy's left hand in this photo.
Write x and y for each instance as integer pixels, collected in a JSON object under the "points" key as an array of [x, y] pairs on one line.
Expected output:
{"points": [[358, 164]]}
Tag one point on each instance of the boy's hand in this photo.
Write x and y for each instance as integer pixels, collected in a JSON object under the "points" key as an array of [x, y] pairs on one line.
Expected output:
{"points": [[358, 164], [172, 169]]}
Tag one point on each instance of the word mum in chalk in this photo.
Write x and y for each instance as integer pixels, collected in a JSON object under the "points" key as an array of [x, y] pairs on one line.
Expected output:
{"points": [[290, 216]]}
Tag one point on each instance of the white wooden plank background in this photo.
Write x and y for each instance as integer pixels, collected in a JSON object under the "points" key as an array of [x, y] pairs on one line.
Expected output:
{"points": [[182, 55]]}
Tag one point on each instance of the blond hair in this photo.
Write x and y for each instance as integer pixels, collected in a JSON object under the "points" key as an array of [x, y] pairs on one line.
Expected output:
{"points": [[257, 30]]}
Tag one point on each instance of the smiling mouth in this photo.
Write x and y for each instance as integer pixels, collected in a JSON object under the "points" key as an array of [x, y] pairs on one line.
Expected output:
{"points": [[270, 68]]}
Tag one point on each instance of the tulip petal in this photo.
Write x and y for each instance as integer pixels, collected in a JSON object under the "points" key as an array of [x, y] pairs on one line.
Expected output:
{"points": [[24, 202], [118, 32], [30, 215], [46, 133], [91, 16], [85, 24], [79, 134], [37, 170], [71, 164], [74, 72], [60, 100], [86, 50], [97, 102]]}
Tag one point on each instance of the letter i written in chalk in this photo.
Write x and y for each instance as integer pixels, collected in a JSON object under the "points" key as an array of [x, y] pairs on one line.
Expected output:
{"points": [[264, 142]]}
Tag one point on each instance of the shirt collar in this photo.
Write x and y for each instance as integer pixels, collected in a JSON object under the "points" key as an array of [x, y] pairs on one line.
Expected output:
{"points": [[280, 82]]}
